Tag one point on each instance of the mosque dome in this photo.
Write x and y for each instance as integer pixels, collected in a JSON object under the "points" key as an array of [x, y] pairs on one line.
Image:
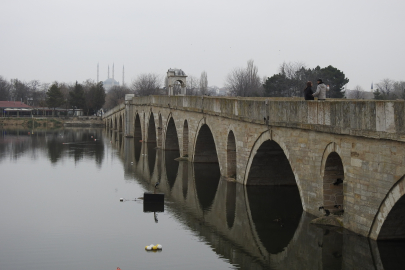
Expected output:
{"points": [[110, 82]]}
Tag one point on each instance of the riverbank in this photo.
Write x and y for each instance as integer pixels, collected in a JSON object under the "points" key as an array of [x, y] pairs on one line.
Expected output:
{"points": [[50, 122]]}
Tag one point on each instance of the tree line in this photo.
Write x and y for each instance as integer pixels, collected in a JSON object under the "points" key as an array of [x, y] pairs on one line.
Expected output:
{"points": [[388, 89], [290, 81], [88, 96]]}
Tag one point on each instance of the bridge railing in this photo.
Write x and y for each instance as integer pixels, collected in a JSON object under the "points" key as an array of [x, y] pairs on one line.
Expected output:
{"points": [[370, 118], [114, 110]]}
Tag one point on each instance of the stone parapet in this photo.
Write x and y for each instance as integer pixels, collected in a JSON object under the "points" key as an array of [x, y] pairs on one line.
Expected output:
{"points": [[372, 119]]}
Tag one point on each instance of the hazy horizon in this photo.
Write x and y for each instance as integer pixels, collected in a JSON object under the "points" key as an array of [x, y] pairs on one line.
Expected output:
{"points": [[64, 40]]}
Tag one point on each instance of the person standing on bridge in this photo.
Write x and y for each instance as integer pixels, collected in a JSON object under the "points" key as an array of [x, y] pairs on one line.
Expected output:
{"points": [[308, 91], [321, 90]]}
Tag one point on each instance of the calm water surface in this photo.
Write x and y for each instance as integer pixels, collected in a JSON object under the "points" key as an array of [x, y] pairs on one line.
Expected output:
{"points": [[60, 209]]}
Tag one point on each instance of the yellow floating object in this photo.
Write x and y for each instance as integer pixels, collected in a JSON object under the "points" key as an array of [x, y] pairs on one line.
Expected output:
{"points": [[153, 248]]}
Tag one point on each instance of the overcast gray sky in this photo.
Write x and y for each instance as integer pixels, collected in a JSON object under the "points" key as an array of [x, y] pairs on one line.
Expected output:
{"points": [[64, 40]]}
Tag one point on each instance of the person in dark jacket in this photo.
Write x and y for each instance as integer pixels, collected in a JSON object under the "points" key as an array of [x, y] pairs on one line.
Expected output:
{"points": [[308, 92]]}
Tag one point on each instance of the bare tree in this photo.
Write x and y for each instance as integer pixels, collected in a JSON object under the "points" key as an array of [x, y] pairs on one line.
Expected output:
{"points": [[296, 75], [115, 96], [20, 90], [5, 89], [39, 96], [399, 89], [244, 81], [358, 92], [386, 87], [204, 84], [147, 84], [192, 85]]}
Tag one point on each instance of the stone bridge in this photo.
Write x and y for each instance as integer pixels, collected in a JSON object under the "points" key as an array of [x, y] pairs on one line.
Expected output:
{"points": [[340, 154]]}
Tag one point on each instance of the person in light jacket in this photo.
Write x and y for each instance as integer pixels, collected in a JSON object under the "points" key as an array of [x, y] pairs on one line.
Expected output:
{"points": [[321, 90]]}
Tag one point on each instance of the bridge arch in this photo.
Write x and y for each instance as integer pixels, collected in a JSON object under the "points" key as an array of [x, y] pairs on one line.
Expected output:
{"points": [[185, 138], [151, 129], [231, 155], [389, 221], [137, 127], [270, 144], [160, 131], [333, 174], [172, 139], [120, 123], [205, 147]]}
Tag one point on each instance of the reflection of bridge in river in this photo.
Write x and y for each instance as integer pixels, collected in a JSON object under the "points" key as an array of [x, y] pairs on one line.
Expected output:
{"points": [[237, 221]]}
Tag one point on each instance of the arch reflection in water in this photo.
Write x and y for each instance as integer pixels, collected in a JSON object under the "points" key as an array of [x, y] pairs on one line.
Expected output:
{"points": [[230, 203], [207, 176], [276, 213], [185, 179], [138, 149], [171, 166], [392, 254], [151, 154]]}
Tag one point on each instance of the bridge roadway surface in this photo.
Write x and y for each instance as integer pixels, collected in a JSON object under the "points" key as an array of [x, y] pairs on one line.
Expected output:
{"points": [[288, 141]]}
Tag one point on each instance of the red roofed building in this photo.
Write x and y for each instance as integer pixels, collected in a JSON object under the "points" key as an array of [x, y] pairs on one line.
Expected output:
{"points": [[14, 108]]}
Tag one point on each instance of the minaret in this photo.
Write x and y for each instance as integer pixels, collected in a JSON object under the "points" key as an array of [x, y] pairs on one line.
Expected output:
{"points": [[97, 73], [108, 71], [123, 72], [113, 74]]}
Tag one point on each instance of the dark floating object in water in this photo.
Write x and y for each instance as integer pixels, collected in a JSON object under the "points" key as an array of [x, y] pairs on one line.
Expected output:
{"points": [[153, 202], [123, 199], [338, 181]]}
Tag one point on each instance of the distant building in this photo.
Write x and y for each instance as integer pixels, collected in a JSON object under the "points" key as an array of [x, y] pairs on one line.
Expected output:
{"points": [[110, 82], [20, 109], [14, 108], [356, 94]]}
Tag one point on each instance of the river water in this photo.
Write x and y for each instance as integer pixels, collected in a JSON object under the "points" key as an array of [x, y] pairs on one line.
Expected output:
{"points": [[60, 209]]}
